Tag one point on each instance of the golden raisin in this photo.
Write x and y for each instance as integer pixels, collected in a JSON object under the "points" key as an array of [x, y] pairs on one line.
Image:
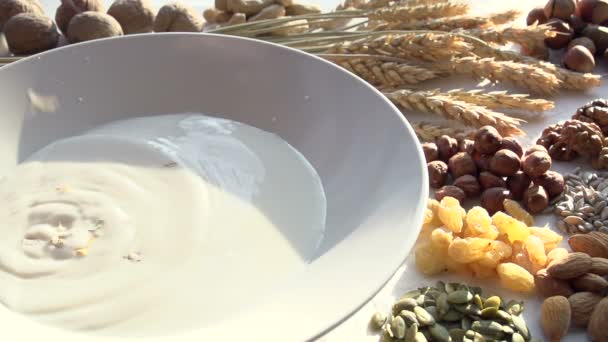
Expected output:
{"points": [[451, 214], [516, 211], [429, 261], [468, 249], [515, 278], [514, 229]]}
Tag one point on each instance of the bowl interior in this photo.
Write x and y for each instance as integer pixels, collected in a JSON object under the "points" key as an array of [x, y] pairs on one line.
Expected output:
{"points": [[364, 151]]}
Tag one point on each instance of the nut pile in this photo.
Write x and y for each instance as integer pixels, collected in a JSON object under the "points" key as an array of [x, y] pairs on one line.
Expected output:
{"points": [[583, 207], [232, 12], [452, 312], [581, 27], [477, 244], [493, 167], [575, 286], [581, 136]]}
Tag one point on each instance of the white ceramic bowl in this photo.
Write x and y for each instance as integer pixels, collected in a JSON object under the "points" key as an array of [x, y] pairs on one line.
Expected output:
{"points": [[367, 156]]}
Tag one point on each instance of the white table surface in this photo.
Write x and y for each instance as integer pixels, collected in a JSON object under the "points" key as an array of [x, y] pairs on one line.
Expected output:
{"points": [[406, 277]]}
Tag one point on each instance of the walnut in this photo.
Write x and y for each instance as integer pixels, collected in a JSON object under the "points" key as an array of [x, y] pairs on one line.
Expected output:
{"points": [[595, 112], [568, 139]]}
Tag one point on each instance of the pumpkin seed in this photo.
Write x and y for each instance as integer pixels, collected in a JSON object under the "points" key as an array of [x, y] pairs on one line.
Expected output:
{"points": [[442, 304], [423, 316], [408, 317], [493, 301], [433, 311], [439, 285], [478, 301], [489, 312], [460, 297], [411, 294], [469, 309], [398, 327], [404, 304], [520, 325], [517, 338], [457, 334], [452, 316], [507, 330], [388, 330], [487, 327], [428, 301], [410, 336], [439, 333], [378, 320], [466, 323], [451, 287], [426, 334]]}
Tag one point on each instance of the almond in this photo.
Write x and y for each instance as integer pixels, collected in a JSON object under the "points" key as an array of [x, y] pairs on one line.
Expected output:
{"points": [[574, 265], [555, 317], [590, 244], [598, 321], [589, 282], [581, 306], [599, 266], [548, 286]]}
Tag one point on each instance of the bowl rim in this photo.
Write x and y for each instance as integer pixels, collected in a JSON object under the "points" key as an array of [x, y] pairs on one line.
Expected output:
{"points": [[341, 314]]}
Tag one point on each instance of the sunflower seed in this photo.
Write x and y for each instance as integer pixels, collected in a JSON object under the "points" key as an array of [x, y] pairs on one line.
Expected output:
{"points": [[378, 320], [411, 294], [404, 304], [420, 337], [520, 325], [487, 327], [412, 331], [517, 338], [457, 334], [398, 327], [409, 317]]}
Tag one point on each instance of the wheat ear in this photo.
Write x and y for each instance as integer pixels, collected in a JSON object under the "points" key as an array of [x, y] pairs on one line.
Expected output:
{"points": [[529, 77], [382, 73], [501, 99], [530, 37], [422, 12], [449, 108], [429, 132]]}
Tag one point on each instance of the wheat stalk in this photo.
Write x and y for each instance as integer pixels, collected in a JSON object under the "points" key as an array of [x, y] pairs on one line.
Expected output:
{"points": [[530, 37], [381, 73], [422, 12], [501, 99], [428, 46], [447, 107], [569, 79], [459, 22], [429, 132], [522, 75]]}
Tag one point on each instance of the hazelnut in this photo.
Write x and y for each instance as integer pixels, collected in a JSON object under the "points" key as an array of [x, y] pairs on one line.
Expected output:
{"points": [[462, 164], [518, 184], [69, 8], [536, 164], [505, 163], [577, 24], [492, 199], [238, 18], [599, 35], [487, 140], [580, 59], [210, 14], [438, 173], [584, 42], [482, 161], [10, 8], [134, 16], [586, 8], [552, 182], [561, 9], [564, 34], [536, 148], [177, 17], [92, 25], [29, 33], [513, 145], [450, 191], [430, 152], [536, 16], [489, 180], [447, 147], [221, 5], [469, 185], [536, 199], [600, 12], [466, 145]]}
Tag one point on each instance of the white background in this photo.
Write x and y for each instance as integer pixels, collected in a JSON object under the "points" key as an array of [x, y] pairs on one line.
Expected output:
{"points": [[406, 278]]}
